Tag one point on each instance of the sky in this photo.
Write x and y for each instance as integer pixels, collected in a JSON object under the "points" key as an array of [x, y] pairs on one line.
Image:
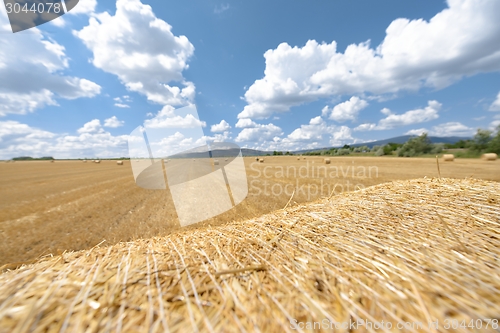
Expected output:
{"points": [[269, 75]]}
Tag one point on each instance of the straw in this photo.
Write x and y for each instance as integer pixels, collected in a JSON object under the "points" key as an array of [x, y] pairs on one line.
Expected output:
{"points": [[402, 252]]}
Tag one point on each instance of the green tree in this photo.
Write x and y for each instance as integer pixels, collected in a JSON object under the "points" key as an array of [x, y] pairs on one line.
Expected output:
{"points": [[494, 144], [481, 140], [416, 146]]}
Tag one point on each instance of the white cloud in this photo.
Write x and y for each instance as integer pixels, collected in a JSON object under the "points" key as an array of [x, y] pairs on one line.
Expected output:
{"points": [[245, 123], [189, 121], [386, 111], [141, 50], [223, 126], [31, 67], [10, 130], [317, 133], [218, 137], [462, 40], [113, 122], [366, 127], [18, 139], [120, 105], [495, 106], [348, 110], [430, 112], [417, 131], [220, 9], [59, 22], [316, 121], [93, 126], [312, 132], [86, 7], [261, 133], [417, 116], [175, 122], [446, 129], [342, 136], [494, 125]]}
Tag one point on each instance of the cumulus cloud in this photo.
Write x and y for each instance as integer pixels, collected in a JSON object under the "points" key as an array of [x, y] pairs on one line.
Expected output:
{"points": [[245, 123], [93, 126], [446, 129], [142, 51], [348, 110], [417, 131], [494, 125], [113, 122], [223, 126], [462, 40], [84, 7], [430, 112], [495, 106], [260, 133], [31, 68], [317, 133], [18, 139]]}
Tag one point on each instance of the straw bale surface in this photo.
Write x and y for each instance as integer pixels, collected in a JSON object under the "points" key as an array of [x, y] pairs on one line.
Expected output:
{"points": [[415, 251]]}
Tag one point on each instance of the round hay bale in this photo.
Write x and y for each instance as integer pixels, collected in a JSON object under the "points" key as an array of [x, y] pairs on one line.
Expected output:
{"points": [[304, 158], [84, 161], [216, 162], [79, 289], [298, 158], [119, 162], [97, 161], [448, 157], [257, 159], [489, 157], [51, 161], [261, 160], [327, 161]]}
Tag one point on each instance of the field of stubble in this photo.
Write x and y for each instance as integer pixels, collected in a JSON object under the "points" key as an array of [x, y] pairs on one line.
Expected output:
{"points": [[47, 208]]}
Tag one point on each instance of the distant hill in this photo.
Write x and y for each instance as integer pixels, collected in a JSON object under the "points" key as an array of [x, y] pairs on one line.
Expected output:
{"points": [[254, 152], [397, 139], [404, 138]]}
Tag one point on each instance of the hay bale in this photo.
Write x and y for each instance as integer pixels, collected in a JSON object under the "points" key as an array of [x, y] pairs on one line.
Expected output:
{"points": [[97, 161], [304, 158], [327, 161], [448, 157], [365, 246], [257, 159], [84, 161], [119, 162], [261, 160], [298, 158], [489, 157], [226, 159], [216, 162]]}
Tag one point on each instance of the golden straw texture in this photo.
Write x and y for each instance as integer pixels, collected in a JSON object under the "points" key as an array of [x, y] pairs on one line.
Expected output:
{"points": [[413, 251]]}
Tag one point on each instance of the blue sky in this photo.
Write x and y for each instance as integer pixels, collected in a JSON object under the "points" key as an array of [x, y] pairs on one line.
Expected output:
{"points": [[268, 75]]}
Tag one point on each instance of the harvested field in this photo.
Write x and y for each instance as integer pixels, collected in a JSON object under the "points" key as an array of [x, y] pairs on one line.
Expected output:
{"points": [[47, 208], [407, 253]]}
